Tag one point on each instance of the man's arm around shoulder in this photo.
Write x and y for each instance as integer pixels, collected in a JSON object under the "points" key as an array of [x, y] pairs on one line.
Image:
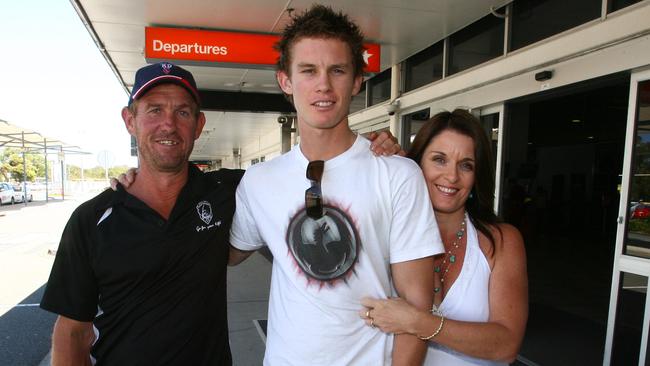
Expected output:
{"points": [[71, 342], [236, 256], [413, 281]]}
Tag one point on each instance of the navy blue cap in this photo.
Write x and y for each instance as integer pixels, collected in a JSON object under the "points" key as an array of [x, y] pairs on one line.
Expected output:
{"points": [[161, 73]]}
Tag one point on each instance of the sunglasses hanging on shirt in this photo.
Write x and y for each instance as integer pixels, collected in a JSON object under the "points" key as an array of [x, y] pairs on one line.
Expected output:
{"points": [[313, 194]]}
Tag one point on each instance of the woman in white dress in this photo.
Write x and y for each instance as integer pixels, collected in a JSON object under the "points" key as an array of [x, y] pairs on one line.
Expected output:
{"points": [[481, 291]]}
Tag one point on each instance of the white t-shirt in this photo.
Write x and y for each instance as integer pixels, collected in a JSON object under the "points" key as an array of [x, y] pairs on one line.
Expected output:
{"points": [[378, 212]]}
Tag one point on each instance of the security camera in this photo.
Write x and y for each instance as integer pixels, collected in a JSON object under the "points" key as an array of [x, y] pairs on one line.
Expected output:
{"points": [[286, 121], [392, 107]]}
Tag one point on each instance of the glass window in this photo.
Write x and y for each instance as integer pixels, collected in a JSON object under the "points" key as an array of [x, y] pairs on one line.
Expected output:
{"points": [[637, 242], [479, 42], [614, 5], [534, 20], [359, 101], [411, 124], [379, 87], [629, 319], [424, 67]]}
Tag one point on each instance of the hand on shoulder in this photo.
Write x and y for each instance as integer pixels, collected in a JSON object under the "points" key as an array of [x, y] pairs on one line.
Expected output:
{"points": [[384, 143], [125, 179]]}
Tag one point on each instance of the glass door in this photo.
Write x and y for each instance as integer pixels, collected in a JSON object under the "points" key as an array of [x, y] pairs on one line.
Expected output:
{"points": [[491, 118], [629, 311], [411, 124]]}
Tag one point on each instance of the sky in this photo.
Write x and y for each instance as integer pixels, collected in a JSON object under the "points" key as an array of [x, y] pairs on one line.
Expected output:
{"points": [[54, 80]]}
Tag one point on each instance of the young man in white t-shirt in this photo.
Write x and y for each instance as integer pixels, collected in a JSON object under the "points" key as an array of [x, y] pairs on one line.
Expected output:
{"points": [[341, 223]]}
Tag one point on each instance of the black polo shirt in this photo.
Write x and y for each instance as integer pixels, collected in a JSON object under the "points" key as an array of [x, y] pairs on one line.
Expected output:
{"points": [[155, 289]]}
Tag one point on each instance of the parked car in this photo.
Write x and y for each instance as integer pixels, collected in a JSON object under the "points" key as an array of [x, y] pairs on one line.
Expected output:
{"points": [[7, 194], [640, 211], [20, 195]]}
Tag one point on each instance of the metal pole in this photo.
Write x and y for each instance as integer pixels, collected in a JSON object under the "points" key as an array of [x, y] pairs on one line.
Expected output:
{"points": [[62, 175], [106, 169], [83, 181], [395, 92], [46, 169], [24, 170], [285, 134]]}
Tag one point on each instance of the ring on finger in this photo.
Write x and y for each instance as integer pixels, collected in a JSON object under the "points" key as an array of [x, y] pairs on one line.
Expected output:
{"points": [[372, 322], [368, 313]]}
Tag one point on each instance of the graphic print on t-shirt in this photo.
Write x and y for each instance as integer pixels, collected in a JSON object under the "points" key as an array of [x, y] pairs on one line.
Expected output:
{"points": [[325, 249]]}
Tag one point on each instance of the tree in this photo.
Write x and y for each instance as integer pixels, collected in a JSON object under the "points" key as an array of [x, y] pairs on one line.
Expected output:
{"points": [[74, 172], [11, 165], [96, 173], [117, 170]]}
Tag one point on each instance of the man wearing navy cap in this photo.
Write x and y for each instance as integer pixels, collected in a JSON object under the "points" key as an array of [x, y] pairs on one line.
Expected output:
{"points": [[140, 274]]}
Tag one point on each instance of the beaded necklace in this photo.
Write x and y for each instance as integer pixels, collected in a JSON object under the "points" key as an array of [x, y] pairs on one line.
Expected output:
{"points": [[450, 256]]}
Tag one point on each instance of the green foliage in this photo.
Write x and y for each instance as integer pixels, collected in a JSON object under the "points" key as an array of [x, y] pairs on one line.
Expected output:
{"points": [[639, 226], [96, 173], [11, 165], [11, 168], [117, 170], [74, 172]]}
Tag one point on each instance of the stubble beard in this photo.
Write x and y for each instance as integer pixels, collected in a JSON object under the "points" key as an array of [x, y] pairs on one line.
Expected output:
{"points": [[163, 163]]}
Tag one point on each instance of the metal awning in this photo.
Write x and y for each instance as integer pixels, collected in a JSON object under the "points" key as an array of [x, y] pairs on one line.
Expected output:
{"points": [[13, 136], [32, 142]]}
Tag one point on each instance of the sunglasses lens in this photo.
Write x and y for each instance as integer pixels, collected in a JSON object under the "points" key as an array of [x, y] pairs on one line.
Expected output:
{"points": [[313, 195], [315, 170], [314, 202]]}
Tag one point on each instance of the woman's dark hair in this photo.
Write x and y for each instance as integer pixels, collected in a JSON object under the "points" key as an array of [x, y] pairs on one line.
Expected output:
{"points": [[480, 205]]}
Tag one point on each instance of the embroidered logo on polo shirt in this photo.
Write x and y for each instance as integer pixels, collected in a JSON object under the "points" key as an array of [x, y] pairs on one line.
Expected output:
{"points": [[205, 211]]}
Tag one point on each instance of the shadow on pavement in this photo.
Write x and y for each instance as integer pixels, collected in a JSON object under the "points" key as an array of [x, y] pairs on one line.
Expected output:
{"points": [[25, 332]]}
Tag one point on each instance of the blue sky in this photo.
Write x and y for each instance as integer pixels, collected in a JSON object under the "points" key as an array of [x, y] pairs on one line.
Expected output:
{"points": [[54, 80]]}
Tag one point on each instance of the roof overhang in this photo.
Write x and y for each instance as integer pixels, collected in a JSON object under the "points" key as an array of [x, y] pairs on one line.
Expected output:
{"points": [[400, 28]]}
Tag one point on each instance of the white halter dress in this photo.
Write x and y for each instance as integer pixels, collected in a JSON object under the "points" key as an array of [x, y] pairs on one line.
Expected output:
{"points": [[466, 300]]}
